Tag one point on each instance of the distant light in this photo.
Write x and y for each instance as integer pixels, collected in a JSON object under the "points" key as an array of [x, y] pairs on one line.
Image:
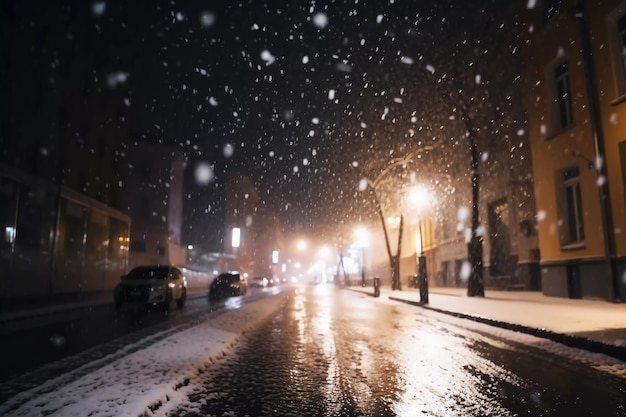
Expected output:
{"points": [[275, 256], [284, 268], [236, 237], [190, 247]]}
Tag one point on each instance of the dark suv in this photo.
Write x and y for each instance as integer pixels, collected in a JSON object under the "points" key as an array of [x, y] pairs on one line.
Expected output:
{"points": [[228, 284]]}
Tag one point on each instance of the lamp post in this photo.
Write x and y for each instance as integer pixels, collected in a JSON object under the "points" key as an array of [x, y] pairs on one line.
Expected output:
{"points": [[419, 197]]}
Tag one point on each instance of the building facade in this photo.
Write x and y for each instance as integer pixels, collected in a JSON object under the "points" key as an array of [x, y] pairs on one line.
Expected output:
{"points": [[62, 127], [258, 228], [153, 184], [55, 240], [576, 90]]}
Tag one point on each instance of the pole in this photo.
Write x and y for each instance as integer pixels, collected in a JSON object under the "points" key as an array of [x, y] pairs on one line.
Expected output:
{"points": [[422, 271], [598, 141]]}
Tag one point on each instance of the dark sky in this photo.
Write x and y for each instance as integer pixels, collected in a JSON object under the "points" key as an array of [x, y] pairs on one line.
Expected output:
{"points": [[298, 94]]}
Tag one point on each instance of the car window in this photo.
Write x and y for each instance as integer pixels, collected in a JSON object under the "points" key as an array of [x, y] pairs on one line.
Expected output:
{"points": [[149, 273]]}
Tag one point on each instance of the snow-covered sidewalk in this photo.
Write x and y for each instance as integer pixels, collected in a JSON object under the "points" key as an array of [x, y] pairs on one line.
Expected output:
{"points": [[138, 383], [599, 321]]}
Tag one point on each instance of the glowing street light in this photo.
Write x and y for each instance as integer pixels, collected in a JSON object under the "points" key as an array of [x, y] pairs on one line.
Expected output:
{"points": [[301, 245]]}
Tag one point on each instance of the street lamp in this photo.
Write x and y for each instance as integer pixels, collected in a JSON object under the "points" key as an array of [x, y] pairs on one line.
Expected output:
{"points": [[420, 198], [301, 245]]}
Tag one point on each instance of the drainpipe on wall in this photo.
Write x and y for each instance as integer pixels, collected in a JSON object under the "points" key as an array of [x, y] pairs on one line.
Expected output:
{"points": [[598, 140]]}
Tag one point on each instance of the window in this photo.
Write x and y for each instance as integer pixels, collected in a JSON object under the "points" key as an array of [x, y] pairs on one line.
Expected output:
{"points": [[621, 32], [137, 246], [563, 95], [616, 26], [573, 212]]}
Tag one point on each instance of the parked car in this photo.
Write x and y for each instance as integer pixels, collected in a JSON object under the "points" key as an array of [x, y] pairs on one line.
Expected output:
{"points": [[152, 285], [259, 282], [228, 284]]}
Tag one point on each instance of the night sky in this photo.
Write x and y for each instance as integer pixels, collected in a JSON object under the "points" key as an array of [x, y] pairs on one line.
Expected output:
{"points": [[302, 96]]}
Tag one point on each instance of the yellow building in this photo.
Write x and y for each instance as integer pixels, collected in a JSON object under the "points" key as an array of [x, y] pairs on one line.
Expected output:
{"points": [[576, 78]]}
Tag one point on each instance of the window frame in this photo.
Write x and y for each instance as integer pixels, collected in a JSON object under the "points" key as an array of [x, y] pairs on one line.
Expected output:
{"points": [[617, 49], [563, 101], [571, 208]]}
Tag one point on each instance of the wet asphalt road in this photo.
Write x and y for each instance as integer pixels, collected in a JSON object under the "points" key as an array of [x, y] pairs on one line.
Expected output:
{"points": [[338, 353]]}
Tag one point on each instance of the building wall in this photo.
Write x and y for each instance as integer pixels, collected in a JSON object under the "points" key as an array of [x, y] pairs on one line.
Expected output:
{"points": [[572, 267], [62, 120], [56, 240], [154, 197], [259, 227]]}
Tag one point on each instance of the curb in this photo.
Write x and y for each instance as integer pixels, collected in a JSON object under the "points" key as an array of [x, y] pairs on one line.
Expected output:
{"points": [[617, 352]]}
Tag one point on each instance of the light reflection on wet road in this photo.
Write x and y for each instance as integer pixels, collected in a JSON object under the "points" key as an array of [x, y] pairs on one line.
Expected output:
{"points": [[337, 353]]}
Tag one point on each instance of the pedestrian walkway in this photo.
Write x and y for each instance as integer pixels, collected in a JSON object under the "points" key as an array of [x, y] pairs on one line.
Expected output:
{"points": [[594, 325]]}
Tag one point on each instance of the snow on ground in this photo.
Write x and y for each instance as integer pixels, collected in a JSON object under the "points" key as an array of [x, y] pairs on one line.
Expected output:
{"points": [[598, 361], [139, 383]]}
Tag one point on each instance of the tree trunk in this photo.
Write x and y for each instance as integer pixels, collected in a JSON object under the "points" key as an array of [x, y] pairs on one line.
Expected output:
{"points": [[395, 272], [475, 284], [396, 283]]}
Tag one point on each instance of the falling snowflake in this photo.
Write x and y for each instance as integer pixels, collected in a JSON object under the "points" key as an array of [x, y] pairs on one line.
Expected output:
{"points": [[363, 185], [305, 59], [207, 19], [477, 79], [267, 57], [315, 121], [228, 150], [531, 4], [463, 213], [541, 215], [204, 173], [430, 69], [212, 101], [466, 271], [379, 18], [320, 20], [98, 8], [331, 94], [485, 156], [406, 60], [116, 78], [601, 180]]}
